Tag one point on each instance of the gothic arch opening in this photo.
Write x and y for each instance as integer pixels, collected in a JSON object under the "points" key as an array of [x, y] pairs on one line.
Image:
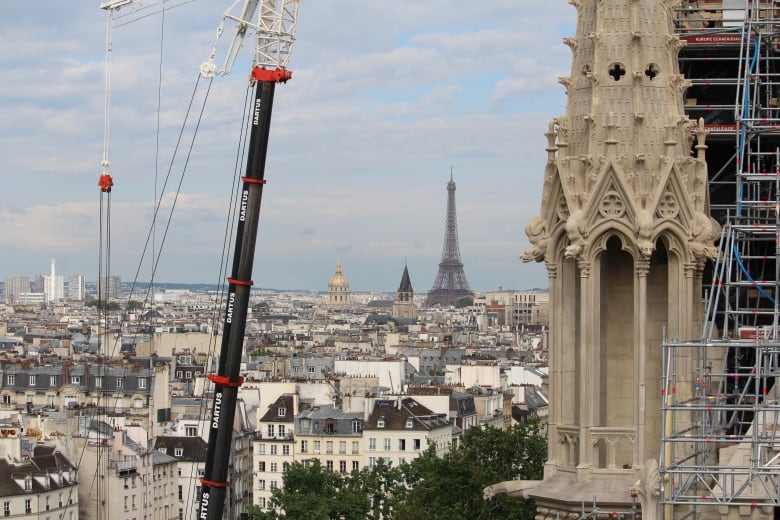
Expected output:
{"points": [[616, 324]]}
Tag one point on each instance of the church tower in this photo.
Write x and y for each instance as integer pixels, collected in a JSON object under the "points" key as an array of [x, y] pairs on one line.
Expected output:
{"points": [[403, 306], [624, 231], [338, 289]]}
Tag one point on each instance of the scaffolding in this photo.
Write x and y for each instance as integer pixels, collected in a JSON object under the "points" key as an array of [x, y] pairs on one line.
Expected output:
{"points": [[720, 447]]}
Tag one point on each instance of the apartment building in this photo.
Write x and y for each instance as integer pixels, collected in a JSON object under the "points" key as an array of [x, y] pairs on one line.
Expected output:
{"points": [[332, 436], [398, 430]]}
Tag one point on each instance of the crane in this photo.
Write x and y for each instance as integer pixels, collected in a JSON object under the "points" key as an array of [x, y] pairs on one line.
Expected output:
{"points": [[274, 23]]}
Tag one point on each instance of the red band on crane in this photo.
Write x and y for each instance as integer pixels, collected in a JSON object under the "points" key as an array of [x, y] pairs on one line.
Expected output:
{"points": [[105, 182], [250, 180], [208, 483], [272, 76], [249, 283], [225, 380]]}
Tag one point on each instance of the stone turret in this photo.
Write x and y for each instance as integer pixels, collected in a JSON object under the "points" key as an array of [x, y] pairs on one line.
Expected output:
{"points": [[625, 231]]}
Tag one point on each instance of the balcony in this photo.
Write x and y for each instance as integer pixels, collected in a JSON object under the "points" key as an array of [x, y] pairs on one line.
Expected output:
{"points": [[125, 467]]}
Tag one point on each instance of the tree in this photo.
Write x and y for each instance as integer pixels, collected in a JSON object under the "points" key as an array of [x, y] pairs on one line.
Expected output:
{"points": [[133, 305], [102, 305], [451, 486], [311, 492]]}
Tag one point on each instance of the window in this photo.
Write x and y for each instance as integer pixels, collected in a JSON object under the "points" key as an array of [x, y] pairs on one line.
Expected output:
{"points": [[270, 430], [380, 423], [355, 447], [142, 383], [191, 431], [179, 374], [416, 444], [355, 465], [304, 446], [273, 449], [11, 379], [28, 484], [261, 449], [261, 503], [342, 466], [6, 399], [311, 370], [274, 467], [282, 430], [401, 461], [261, 485], [285, 466], [356, 426], [371, 443], [52, 380], [273, 484], [329, 447], [342, 447], [119, 382], [181, 492], [296, 369], [316, 446], [75, 380], [32, 380], [178, 452], [409, 423], [285, 450], [371, 462], [28, 506], [401, 444], [6, 508], [387, 444], [261, 466], [282, 411], [329, 465], [99, 382], [188, 374]]}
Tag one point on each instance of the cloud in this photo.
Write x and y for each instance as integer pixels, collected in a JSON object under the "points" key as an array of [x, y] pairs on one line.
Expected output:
{"points": [[386, 97]]}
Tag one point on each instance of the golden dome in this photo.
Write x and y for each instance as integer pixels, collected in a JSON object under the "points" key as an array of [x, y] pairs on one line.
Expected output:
{"points": [[338, 278]]}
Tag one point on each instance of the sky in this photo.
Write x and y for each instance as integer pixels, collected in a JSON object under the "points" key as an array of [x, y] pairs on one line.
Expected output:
{"points": [[388, 98]]}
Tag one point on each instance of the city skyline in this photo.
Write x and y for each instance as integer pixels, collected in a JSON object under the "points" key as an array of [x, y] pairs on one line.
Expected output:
{"points": [[362, 141]]}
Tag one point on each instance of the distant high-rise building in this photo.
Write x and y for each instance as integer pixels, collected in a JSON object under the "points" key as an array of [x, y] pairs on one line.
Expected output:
{"points": [[16, 285], [76, 287], [450, 285], [109, 287], [338, 289], [403, 306], [53, 285]]}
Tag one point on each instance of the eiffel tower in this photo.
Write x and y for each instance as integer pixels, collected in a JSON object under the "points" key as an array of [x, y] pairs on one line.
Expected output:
{"points": [[450, 285]]}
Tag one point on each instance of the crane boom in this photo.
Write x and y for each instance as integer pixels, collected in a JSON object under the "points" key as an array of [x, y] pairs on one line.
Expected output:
{"points": [[275, 34]]}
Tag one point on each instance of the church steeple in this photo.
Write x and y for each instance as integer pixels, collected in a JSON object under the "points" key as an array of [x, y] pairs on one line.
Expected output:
{"points": [[403, 306]]}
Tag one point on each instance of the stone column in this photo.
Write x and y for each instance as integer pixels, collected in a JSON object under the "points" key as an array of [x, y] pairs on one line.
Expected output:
{"points": [[641, 269], [588, 362]]}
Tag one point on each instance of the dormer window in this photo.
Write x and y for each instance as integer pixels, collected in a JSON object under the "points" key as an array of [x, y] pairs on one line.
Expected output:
{"points": [[380, 423], [282, 411], [409, 423], [28, 483], [178, 452]]}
